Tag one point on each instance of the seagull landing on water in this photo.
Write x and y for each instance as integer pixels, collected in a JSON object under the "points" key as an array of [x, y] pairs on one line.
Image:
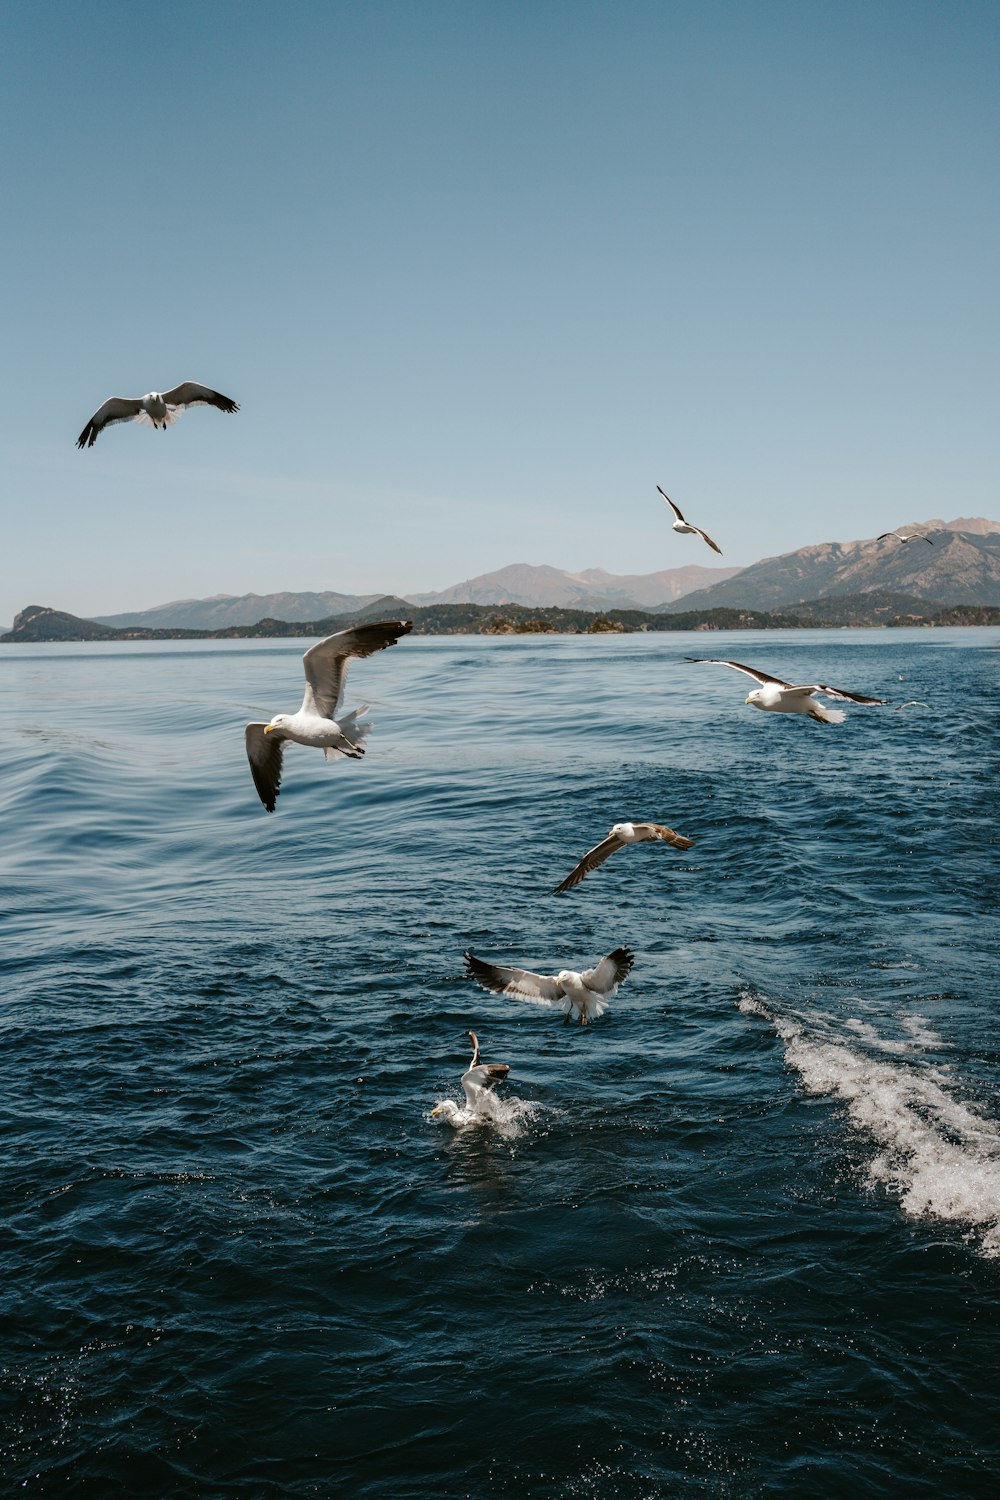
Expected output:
{"points": [[914, 536], [783, 698], [156, 409], [315, 723], [620, 836], [477, 1082], [684, 526], [586, 993]]}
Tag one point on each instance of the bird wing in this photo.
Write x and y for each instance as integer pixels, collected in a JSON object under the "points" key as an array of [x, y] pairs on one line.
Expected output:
{"points": [[706, 538], [673, 507], [480, 1079], [590, 861], [887, 534], [541, 988], [115, 409], [762, 677], [830, 692], [325, 663], [666, 835], [264, 755], [605, 977], [190, 393]]}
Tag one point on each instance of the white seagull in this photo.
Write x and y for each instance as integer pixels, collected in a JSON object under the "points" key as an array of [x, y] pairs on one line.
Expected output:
{"points": [[315, 723], [781, 697], [685, 526], [156, 409], [621, 835], [914, 536], [477, 1082], [586, 993]]}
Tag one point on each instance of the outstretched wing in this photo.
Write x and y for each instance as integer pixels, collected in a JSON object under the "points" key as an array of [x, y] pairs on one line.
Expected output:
{"points": [[605, 977], [264, 755], [325, 664], [115, 409], [541, 988], [667, 835], [830, 692], [590, 861], [673, 507], [762, 677], [190, 393], [706, 538]]}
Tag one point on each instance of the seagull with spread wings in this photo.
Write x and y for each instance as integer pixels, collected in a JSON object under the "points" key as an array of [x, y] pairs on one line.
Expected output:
{"points": [[477, 1083], [155, 409], [914, 536], [780, 697], [621, 835], [586, 993], [685, 526], [315, 723]]}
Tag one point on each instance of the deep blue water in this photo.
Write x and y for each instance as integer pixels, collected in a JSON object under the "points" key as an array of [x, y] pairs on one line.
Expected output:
{"points": [[741, 1237]]}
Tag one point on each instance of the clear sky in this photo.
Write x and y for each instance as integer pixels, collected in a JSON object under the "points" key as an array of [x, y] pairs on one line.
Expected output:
{"points": [[480, 275]]}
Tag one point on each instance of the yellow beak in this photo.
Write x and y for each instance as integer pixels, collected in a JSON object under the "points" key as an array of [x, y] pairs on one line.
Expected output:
{"points": [[268, 728]]}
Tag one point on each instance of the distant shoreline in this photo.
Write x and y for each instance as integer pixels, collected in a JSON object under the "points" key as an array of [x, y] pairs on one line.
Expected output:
{"points": [[40, 624]]}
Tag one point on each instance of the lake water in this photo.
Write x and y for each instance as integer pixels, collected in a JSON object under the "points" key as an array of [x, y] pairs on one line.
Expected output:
{"points": [[739, 1238]]}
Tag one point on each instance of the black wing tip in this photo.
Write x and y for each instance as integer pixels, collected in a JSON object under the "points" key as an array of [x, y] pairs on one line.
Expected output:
{"points": [[88, 436]]}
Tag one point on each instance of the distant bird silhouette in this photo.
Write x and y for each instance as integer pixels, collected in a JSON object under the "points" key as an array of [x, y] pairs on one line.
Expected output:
{"points": [[685, 526], [914, 536], [157, 409]]}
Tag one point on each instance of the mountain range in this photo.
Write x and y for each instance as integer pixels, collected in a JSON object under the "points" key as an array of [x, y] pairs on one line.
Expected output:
{"points": [[882, 578], [520, 583]]}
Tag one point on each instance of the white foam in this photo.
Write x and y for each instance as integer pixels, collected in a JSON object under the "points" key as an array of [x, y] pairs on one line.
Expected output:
{"points": [[937, 1154], [508, 1117]]}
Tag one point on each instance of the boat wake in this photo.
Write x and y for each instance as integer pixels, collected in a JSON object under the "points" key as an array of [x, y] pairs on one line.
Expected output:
{"points": [[933, 1152]]}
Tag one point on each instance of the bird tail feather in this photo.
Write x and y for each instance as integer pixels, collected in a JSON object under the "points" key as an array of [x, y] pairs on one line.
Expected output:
{"points": [[354, 733], [824, 715]]}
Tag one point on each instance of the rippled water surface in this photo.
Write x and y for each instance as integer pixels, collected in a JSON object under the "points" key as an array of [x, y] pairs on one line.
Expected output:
{"points": [[740, 1237]]}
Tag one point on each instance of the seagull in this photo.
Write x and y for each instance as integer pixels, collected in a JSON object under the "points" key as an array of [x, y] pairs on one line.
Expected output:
{"points": [[782, 698], [586, 993], [314, 724], [620, 835], [914, 536], [684, 526], [477, 1082], [156, 409]]}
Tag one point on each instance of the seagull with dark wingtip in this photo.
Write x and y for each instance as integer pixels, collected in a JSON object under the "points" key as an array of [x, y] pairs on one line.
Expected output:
{"points": [[155, 409]]}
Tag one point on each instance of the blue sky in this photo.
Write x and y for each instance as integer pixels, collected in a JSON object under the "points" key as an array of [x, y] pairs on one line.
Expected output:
{"points": [[480, 276]]}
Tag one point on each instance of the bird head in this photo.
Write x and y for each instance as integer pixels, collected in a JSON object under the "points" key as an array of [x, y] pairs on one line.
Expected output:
{"points": [[622, 830], [564, 976], [278, 722], [753, 698]]}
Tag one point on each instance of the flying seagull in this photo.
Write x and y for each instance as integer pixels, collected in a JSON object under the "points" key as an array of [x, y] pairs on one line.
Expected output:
{"points": [[914, 536], [157, 409], [314, 724], [782, 698], [477, 1081], [587, 994], [684, 526], [621, 835]]}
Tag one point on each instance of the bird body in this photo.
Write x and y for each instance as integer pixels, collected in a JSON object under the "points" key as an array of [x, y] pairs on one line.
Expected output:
{"points": [[685, 527], [777, 696], [155, 409], [620, 836], [316, 723], [585, 992]]}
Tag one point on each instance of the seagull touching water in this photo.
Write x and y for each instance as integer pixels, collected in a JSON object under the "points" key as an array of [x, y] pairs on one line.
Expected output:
{"points": [[156, 409], [325, 667], [477, 1081]]}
